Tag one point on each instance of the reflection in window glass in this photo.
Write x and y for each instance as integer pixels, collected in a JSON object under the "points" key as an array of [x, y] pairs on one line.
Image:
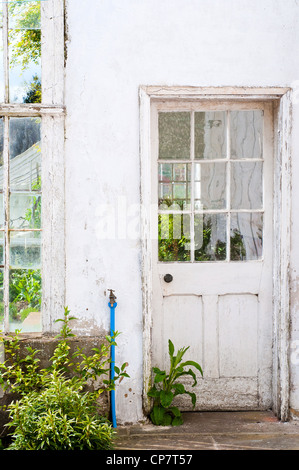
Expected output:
{"points": [[25, 154], [20, 221], [247, 185], [25, 224], [174, 135], [25, 299], [1, 212], [210, 134], [25, 211], [210, 186], [24, 52], [1, 301], [1, 152], [246, 236], [174, 186], [174, 237], [25, 249], [1, 176], [209, 237], [218, 185], [1, 56], [246, 130], [1, 248]]}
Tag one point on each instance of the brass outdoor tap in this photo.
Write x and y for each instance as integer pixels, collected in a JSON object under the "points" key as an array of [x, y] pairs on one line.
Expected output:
{"points": [[112, 297]]}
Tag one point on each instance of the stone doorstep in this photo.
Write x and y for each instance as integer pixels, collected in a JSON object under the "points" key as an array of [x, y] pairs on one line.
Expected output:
{"points": [[213, 430]]}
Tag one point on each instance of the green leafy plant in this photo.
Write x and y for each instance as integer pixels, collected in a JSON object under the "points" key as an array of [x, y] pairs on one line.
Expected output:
{"points": [[58, 417], [166, 388], [54, 407]]}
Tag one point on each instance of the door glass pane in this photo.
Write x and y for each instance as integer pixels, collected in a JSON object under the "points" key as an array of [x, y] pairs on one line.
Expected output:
{"points": [[210, 134], [209, 186], [246, 236], [174, 186], [165, 172], [174, 135], [174, 237], [246, 134], [209, 237], [246, 185], [180, 172]]}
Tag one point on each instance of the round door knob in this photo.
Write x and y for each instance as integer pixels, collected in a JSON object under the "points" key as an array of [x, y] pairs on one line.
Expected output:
{"points": [[168, 278]]}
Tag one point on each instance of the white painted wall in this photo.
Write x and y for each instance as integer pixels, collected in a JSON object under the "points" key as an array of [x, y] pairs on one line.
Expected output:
{"points": [[113, 47]]}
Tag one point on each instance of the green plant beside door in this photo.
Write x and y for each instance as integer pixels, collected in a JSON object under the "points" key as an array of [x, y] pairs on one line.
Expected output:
{"points": [[166, 387]]}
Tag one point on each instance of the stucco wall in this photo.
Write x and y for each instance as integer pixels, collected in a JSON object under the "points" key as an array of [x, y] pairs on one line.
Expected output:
{"points": [[113, 47]]}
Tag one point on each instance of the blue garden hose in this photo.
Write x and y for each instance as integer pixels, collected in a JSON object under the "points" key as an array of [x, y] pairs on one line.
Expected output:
{"points": [[112, 304]]}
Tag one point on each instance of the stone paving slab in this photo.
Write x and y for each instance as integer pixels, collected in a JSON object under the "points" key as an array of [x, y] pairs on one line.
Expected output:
{"points": [[246, 430]]}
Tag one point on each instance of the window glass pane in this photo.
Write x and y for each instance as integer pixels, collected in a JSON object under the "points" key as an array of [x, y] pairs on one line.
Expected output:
{"points": [[1, 153], [246, 134], [209, 186], [25, 211], [174, 186], [24, 52], [2, 248], [165, 172], [174, 135], [25, 300], [246, 236], [24, 135], [180, 172], [246, 185], [25, 169], [209, 237], [210, 134], [174, 237], [25, 250], [1, 301], [1, 211], [1, 56]]}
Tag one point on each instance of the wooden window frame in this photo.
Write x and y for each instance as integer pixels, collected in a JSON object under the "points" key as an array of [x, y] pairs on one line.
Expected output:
{"points": [[281, 98], [52, 113]]}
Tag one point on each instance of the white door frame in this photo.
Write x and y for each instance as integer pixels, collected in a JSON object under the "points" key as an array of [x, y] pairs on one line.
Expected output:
{"points": [[282, 107]]}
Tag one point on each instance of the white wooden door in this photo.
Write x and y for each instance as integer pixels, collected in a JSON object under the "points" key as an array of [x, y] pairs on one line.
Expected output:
{"points": [[212, 187]]}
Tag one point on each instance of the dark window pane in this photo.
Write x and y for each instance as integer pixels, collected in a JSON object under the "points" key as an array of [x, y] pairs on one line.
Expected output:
{"points": [[174, 135]]}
